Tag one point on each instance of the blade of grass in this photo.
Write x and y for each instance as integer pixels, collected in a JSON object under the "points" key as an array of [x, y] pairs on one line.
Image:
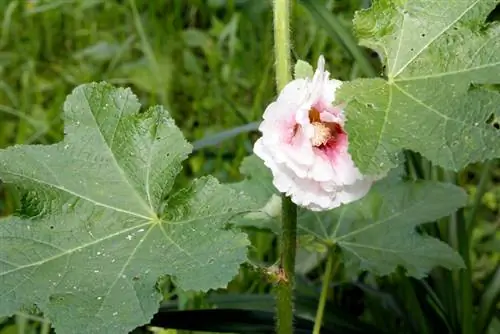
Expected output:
{"points": [[481, 189], [147, 49], [487, 305], [329, 22], [6, 23], [412, 302], [215, 139]]}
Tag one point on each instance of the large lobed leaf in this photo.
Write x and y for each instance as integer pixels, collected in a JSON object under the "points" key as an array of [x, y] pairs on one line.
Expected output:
{"points": [[377, 233], [97, 233], [437, 54]]}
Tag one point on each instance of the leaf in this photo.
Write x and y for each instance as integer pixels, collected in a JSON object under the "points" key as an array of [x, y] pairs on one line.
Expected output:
{"points": [[100, 233], [437, 54], [217, 138], [265, 202], [377, 233], [302, 70]]}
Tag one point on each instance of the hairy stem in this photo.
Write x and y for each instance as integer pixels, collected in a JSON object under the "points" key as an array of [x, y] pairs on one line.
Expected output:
{"points": [[282, 42], [286, 281], [288, 240]]}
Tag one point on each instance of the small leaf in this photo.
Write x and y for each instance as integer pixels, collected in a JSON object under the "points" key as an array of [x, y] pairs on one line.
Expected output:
{"points": [[100, 232], [433, 52], [303, 70], [265, 200]]}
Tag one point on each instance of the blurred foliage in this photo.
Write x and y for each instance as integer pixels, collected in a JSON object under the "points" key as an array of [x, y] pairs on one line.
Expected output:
{"points": [[210, 62]]}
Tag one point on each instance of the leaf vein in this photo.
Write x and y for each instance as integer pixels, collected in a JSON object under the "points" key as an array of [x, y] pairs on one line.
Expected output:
{"points": [[80, 195], [125, 265], [434, 38], [113, 158], [72, 250]]}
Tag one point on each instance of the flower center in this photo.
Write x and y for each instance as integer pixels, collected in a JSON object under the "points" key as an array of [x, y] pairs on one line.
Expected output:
{"points": [[323, 131], [322, 134]]}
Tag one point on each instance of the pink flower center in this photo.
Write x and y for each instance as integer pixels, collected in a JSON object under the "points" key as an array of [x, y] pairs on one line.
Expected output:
{"points": [[325, 133]]}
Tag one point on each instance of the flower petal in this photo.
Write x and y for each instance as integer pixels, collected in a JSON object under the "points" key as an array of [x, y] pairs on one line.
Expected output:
{"points": [[315, 177]]}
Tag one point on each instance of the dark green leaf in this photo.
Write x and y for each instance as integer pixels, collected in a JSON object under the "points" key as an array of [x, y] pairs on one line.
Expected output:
{"points": [[433, 52], [100, 233]]}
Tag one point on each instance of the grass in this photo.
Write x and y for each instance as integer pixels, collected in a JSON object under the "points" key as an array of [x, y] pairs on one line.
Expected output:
{"points": [[211, 64]]}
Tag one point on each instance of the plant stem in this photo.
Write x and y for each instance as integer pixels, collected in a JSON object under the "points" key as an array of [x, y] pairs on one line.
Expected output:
{"points": [[480, 190], [288, 240], [490, 297], [285, 304], [464, 232], [329, 270], [282, 42], [459, 234], [465, 277]]}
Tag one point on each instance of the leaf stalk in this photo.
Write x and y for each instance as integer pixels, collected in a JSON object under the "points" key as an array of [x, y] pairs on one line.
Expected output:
{"points": [[331, 268]]}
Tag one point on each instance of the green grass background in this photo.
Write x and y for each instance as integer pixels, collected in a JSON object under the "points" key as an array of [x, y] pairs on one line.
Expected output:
{"points": [[210, 62]]}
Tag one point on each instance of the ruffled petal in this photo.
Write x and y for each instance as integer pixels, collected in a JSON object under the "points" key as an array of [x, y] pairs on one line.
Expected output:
{"points": [[315, 177]]}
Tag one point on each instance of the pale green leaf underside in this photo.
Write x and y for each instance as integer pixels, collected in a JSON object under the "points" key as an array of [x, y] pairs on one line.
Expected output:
{"points": [[433, 52], [100, 234], [264, 198], [376, 233], [302, 70]]}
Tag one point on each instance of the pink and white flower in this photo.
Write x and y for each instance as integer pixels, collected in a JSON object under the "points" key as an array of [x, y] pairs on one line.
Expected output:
{"points": [[304, 144]]}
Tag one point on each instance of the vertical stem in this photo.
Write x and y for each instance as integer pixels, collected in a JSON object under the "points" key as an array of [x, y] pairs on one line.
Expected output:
{"points": [[480, 190], [282, 42], [329, 270], [465, 276], [464, 231], [285, 286], [288, 238]]}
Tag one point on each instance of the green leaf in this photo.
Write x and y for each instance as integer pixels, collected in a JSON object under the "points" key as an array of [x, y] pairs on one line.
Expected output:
{"points": [[433, 52], [265, 202], [377, 233], [100, 233], [303, 70], [217, 138]]}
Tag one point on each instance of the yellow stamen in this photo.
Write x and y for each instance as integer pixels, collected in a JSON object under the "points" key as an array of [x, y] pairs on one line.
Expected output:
{"points": [[321, 134]]}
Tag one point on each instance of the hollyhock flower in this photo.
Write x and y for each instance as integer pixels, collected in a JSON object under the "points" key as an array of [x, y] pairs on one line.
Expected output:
{"points": [[304, 144]]}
